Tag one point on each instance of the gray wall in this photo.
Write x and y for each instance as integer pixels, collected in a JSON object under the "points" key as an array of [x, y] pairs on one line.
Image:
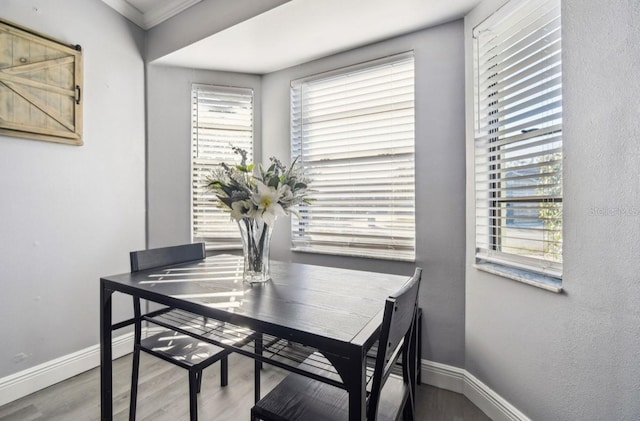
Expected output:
{"points": [[440, 170], [68, 214], [200, 21], [575, 356], [439, 175], [169, 146]]}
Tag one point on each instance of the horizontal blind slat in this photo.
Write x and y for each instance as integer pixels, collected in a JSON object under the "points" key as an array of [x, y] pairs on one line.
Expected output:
{"points": [[518, 139], [354, 132], [222, 118]]}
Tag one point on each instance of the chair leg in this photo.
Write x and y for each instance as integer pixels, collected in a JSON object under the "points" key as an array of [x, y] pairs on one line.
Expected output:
{"points": [[408, 413], [199, 380], [135, 369], [224, 371], [257, 367], [409, 409], [419, 337], [411, 358], [193, 395], [134, 383]]}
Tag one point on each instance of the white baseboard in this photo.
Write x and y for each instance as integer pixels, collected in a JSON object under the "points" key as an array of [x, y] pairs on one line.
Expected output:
{"points": [[44, 375], [439, 375], [443, 376], [461, 381]]}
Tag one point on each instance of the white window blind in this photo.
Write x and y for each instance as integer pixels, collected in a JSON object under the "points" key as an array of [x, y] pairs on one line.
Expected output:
{"points": [[222, 117], [353, 130], [518, 140]]}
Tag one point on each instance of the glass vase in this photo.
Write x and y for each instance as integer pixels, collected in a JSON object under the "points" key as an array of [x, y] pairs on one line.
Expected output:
{"points": [[255, 247]]}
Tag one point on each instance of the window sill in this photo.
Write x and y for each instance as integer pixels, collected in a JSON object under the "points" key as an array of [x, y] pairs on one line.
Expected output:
{"points": [[342, 253], [534, 279]]}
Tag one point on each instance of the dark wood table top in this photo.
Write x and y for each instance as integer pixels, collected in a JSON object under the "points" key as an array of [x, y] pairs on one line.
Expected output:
{"points": [[335, 311], [304, 303]]}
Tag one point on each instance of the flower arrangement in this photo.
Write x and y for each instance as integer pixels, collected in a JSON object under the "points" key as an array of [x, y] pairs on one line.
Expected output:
{"points": [[255, 198], [260, 195]]}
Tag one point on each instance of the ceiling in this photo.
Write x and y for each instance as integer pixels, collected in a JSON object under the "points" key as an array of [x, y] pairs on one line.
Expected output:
{"points": [[295, 32]]}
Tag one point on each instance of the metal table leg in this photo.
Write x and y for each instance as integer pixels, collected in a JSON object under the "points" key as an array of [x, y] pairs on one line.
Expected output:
{"points": [[106, 355]]}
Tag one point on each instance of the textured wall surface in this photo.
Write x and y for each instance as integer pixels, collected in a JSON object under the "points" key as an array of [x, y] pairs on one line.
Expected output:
{"points": [[440, 169], [439, 163], [69, 214], [576, 355], [169, 146]]}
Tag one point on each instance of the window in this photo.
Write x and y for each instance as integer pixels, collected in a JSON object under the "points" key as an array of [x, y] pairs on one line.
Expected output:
{"points": [[221, 117], [518, 137], [353, 130]]}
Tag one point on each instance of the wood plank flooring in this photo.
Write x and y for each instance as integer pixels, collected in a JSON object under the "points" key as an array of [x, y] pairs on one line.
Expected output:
{"points": [[163, 395]]}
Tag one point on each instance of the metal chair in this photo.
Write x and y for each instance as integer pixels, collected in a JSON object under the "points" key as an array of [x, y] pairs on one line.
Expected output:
{"points": [[389, 395], [184, 351]]}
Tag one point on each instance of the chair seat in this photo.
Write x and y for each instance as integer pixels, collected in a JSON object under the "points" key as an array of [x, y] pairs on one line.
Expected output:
{"points": [[300, 398], [183, 349], [172, 343]]}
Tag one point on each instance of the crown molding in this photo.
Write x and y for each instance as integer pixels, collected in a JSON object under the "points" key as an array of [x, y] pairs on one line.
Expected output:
{"points": [[157, 16], [127, 10], [153, 17]]}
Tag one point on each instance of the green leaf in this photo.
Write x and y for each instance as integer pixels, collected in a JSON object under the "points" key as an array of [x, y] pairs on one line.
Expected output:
{"points": [[226, 200]]}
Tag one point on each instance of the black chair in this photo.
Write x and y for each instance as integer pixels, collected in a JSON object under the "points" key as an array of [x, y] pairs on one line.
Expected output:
{"points": [[389, 396], [175, 347]]}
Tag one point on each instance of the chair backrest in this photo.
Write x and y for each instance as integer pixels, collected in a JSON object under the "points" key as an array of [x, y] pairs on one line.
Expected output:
{"points": [[164, 256], [395, 337]]}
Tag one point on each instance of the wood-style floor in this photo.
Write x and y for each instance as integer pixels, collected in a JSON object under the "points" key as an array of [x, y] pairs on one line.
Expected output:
{"points": [[163, 396]]}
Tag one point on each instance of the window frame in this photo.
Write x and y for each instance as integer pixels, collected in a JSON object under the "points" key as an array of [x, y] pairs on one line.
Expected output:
{"points": [[228, 237], [543, 132], [352, 244]]}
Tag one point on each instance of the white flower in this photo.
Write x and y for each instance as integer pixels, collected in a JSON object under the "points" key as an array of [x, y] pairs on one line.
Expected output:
{"points": [[286, 195], [266, 200], [260, 195], [242, 209]]}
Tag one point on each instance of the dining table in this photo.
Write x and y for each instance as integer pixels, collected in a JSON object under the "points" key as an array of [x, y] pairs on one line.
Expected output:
{"points": [[303, 310]]}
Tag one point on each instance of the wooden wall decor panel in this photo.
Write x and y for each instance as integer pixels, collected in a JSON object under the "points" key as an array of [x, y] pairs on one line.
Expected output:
{"points": [[40, 86]]}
